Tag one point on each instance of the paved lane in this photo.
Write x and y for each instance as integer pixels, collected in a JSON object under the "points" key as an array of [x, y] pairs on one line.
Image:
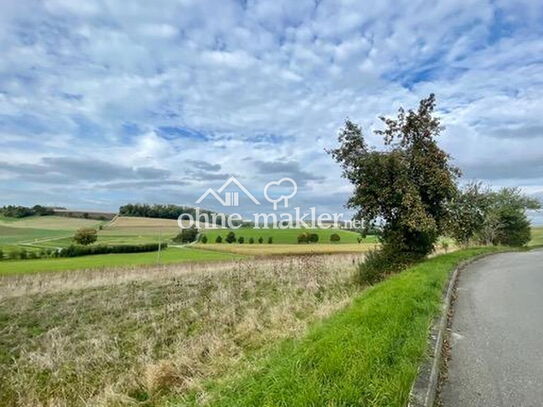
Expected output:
{"points": [[497, 339]]}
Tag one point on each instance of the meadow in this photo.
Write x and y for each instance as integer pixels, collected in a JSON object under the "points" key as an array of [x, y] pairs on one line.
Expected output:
{"points": [[127, 337]]}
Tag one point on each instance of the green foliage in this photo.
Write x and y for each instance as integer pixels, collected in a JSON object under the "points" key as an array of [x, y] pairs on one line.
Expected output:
{"points": [[378, 263], [241, 240], [270, 240], [467, 212], [251, 240], [13, 211], [260, 240], [85, 236], [204, 239], [187, 235], [23, 254], [218, 239], [302, 238], [1, 255], [230, 237], [407, 185], [76, 250], [334, 237]]}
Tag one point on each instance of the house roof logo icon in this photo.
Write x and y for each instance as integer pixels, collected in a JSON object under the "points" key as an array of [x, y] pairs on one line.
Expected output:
{"points": [[228, 198]]}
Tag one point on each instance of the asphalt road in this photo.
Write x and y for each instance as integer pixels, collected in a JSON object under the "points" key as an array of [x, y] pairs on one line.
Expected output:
{"points": [[497, 334]]}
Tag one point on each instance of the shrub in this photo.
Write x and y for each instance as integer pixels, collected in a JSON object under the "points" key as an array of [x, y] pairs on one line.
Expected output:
{"points": [[230, 237], [302, 238], [241, 240], [13, 254], [270, 240], [85, 236], [32, 255], [380, 262], [334, 237], [187, 235], [23, 254], [313, 238], [204, 239], [77, 250], [218, 239], [260, 240], [251, 240], [1, 255]]}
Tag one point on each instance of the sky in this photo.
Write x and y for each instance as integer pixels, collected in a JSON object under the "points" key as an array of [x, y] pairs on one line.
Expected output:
{"points": [[108, 102]]}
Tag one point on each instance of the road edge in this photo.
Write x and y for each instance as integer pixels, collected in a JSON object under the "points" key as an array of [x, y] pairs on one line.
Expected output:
{"points": [[424, 389]]}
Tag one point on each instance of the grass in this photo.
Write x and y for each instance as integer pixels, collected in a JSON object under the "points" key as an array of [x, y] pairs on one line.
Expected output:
{"points": [[287, 236], [365, 355], [286, 249], [50, 222], [537, 236], [168, 256], [15, 235], [137, 337]]}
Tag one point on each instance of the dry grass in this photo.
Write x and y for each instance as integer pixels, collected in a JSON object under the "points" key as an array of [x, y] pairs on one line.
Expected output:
{"points": [[51, 223], [287, 249], [133, 225], [137, 336]]}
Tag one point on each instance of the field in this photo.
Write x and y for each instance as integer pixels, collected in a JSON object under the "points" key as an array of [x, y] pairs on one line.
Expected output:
{"points": [[123, 337], [168, 256], [537, 236], [286, 236], [50, 223], [287, 249]]}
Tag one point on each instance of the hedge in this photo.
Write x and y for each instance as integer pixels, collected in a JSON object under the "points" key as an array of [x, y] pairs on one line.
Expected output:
{"points": [[77, 250]]}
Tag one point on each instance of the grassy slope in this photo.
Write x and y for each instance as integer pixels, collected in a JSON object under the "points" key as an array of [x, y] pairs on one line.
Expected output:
{"points": [[171, 255], [50, 222], [287, 236], [365, 355]]}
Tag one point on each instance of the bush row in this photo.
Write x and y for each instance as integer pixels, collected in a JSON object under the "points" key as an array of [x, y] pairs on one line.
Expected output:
{"points": [[77, 250]]}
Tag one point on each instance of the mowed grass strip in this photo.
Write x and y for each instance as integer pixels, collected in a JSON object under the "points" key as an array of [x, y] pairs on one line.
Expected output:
{"points": [[537, 236], [286, 236], [168, 256], [366, 355]]}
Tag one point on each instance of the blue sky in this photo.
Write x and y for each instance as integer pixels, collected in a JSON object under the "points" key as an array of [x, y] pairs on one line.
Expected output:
{"points": [[107, 102]]}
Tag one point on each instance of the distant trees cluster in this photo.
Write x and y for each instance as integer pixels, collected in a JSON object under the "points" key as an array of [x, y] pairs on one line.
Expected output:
{"points": [[308, 238], [167, 212], [16, 211], [187, 235], [77, 250], [232, 238]]}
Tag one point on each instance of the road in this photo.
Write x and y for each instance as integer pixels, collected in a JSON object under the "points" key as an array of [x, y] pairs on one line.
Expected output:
{"points": [[497, 334]]}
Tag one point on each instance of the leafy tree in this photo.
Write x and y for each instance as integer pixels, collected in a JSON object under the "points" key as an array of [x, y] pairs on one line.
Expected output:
{"points": [[468, 211], [251, 240], [187, 235], [302, 238], [407, 185], [230, 237], [270, 240], [204, 239], [218, 239], [312, 238], [241, 240], [1, 255], [23, 254], [85, 236], [334, 237], [260, 240]]}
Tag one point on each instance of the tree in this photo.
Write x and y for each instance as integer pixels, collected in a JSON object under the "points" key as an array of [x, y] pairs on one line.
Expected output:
{"points": [[302, 238], [312, 238], [218, 239], [230, 237], [1, 255], [260, 240], [507, 220], [241, 240], [187, 235], [334, 237], [407, 185], [270, 240], [251, 240], [204, 239], [468, 211], [85, 236]]}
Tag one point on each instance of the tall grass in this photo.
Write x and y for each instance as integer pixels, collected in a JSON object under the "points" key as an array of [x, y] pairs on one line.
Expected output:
{"points": [[138, 336]]}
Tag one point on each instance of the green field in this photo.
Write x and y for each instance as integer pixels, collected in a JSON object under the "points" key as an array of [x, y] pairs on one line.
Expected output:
{"points": [[287, 236], [168, 256], [537, 236]]}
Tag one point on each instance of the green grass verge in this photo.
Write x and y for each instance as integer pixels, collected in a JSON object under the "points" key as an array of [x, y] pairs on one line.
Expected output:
{"points": [[366, 355], [287, 236], [168, 256], [537, 237]]}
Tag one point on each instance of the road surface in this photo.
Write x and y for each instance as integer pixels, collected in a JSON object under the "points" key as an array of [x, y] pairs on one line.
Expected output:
{"points": [[497, 334]]}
